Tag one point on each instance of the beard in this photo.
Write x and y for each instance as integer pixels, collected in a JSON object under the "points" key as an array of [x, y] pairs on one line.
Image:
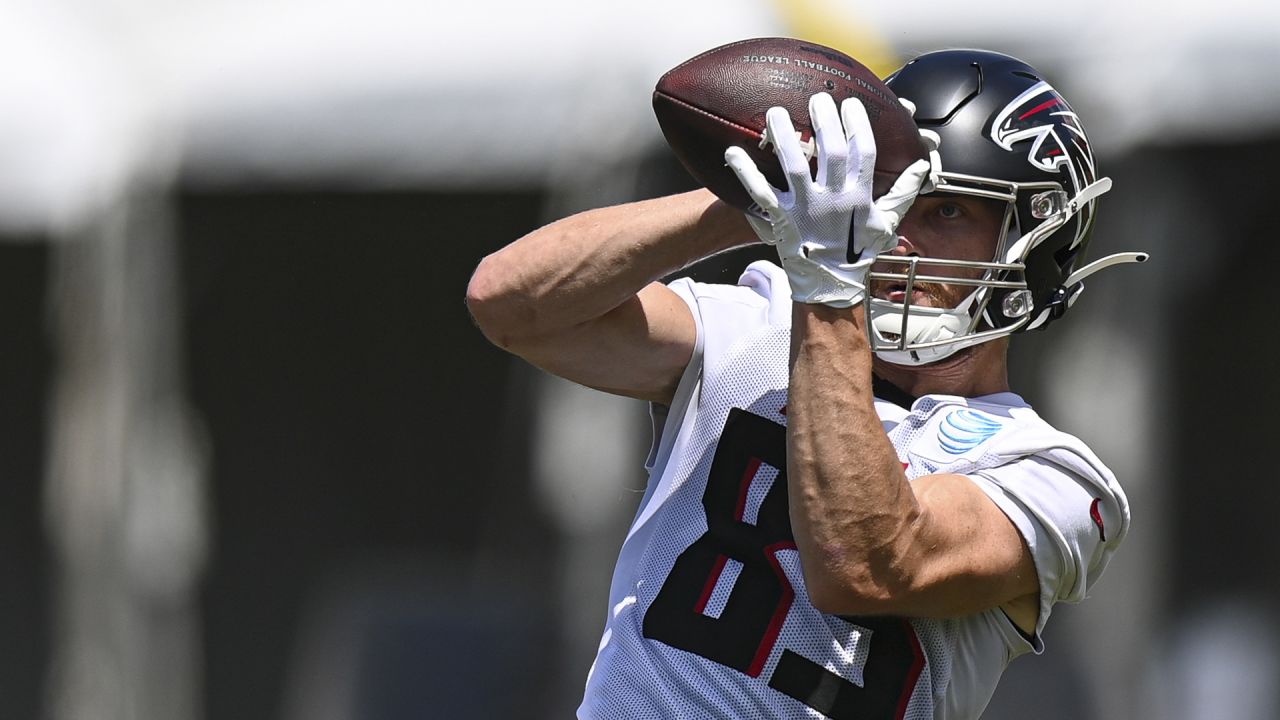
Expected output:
{"points": [[947, 296], [936, 295]]}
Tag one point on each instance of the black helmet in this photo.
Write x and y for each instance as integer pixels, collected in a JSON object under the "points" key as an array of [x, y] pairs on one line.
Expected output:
{"points": [[1004, 134]]}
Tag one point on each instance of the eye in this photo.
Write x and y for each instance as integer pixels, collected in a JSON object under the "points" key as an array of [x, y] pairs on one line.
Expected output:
{"points": [[950, 211]]}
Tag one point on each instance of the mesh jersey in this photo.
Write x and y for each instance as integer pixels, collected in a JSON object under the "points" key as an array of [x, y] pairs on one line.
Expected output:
{"points": [[709, 617]]}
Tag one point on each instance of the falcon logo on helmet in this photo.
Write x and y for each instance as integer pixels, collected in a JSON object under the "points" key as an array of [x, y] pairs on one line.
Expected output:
{"points": [[1041, 115]]}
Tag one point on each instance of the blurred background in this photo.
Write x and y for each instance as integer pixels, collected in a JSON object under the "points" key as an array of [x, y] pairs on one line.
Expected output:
{"points": [[257, 464]]}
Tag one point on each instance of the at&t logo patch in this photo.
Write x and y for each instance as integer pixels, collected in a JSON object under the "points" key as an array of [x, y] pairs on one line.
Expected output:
{"points": [[964, 430]]}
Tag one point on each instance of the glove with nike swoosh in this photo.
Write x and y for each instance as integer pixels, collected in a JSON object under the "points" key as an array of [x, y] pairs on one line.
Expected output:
{"points": [[810, 223]]}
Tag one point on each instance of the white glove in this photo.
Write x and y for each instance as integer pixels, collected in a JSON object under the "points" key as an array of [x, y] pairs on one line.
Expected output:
{"points": [[931, 142], [810, 224]]}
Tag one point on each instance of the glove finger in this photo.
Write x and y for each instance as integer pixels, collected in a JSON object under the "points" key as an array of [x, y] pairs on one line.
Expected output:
{"points": [[786, 145], [753, 181], [932, 142], [833, 147], [862, 142], [910, 106], [904, 191], [762, 228], [881, 225], [888, 210]]}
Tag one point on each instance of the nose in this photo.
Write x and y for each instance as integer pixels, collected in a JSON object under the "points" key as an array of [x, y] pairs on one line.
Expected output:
{"points": [[904, 248]]}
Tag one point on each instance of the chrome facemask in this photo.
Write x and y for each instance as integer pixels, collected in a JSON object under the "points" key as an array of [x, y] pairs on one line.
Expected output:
{"points": [[907, 334]]}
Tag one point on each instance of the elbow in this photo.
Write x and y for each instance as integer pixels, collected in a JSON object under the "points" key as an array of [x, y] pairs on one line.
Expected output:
{"points": [[873, 570], [879, 580], [490, 303], [860, 591]]}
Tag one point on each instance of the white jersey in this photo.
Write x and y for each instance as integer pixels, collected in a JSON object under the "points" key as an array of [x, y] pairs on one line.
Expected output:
{"points": [[709, 616]]}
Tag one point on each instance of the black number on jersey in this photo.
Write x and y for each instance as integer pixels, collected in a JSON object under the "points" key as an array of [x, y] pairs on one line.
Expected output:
{"points": [[746, 630]]}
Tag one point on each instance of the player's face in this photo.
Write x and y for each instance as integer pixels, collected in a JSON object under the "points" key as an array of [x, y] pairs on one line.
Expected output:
{"points": [[955, 227]]}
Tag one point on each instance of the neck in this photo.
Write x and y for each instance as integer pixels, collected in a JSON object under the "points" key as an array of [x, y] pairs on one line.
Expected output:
{"points": [[979, 370]]}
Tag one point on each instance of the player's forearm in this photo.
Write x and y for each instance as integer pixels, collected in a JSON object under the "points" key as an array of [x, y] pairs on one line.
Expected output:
{"points": [[581, 267], [852, 510]]}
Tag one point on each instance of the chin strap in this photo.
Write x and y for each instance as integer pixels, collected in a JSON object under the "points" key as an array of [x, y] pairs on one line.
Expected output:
{"points": [[1103, 263], [1071, 289], [1074, 284]]}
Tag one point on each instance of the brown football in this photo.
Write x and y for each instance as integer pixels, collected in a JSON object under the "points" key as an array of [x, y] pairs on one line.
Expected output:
{"points": [[719, 99]]}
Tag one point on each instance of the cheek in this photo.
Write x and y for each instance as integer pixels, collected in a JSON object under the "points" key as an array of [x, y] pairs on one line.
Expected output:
{"points": [[976, 242], [923, 235]]}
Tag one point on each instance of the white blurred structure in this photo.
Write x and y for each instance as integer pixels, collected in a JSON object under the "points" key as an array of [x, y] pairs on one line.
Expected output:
{"points": [[101, 101], [493, 92]]}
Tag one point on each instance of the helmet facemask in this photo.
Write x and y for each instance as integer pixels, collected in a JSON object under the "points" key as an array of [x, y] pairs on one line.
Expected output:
{"points": [[1000, 302]]}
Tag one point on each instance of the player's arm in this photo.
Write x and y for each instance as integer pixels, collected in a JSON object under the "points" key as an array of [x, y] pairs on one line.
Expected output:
{"points": [[871, 542], [579, 297]]}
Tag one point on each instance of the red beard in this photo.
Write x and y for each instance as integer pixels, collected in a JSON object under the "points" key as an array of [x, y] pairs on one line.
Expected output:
{"points": [[939, 295]]}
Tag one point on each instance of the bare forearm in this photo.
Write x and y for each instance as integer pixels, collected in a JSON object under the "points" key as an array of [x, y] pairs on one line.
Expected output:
{"points": [[852, 509], [583, 266]]}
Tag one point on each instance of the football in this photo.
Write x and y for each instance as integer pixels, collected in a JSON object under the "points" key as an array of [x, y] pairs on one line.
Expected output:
{"points": [[719, 98]]}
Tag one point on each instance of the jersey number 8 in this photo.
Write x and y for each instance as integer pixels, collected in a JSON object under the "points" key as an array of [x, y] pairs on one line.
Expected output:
{"points": [[743, 636]]}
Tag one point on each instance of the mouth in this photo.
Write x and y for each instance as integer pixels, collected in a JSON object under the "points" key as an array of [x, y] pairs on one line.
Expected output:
{"points": [[897, 293]]}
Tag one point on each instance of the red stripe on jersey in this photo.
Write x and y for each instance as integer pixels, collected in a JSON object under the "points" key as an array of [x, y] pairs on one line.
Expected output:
{"points": [[1095, 512], [779, 614], [917, 665], [710, 587]]}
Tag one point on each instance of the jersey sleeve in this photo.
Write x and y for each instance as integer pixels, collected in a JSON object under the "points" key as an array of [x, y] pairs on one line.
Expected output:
{"points": [[724, 313], [1070, 512], [721, 314]]}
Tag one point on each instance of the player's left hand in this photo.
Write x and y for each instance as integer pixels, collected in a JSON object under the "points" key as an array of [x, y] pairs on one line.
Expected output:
{"points": [[828, 229]]}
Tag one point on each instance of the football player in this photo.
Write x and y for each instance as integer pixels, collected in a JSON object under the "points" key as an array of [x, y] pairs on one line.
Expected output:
{"points": [[849, 514]]}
